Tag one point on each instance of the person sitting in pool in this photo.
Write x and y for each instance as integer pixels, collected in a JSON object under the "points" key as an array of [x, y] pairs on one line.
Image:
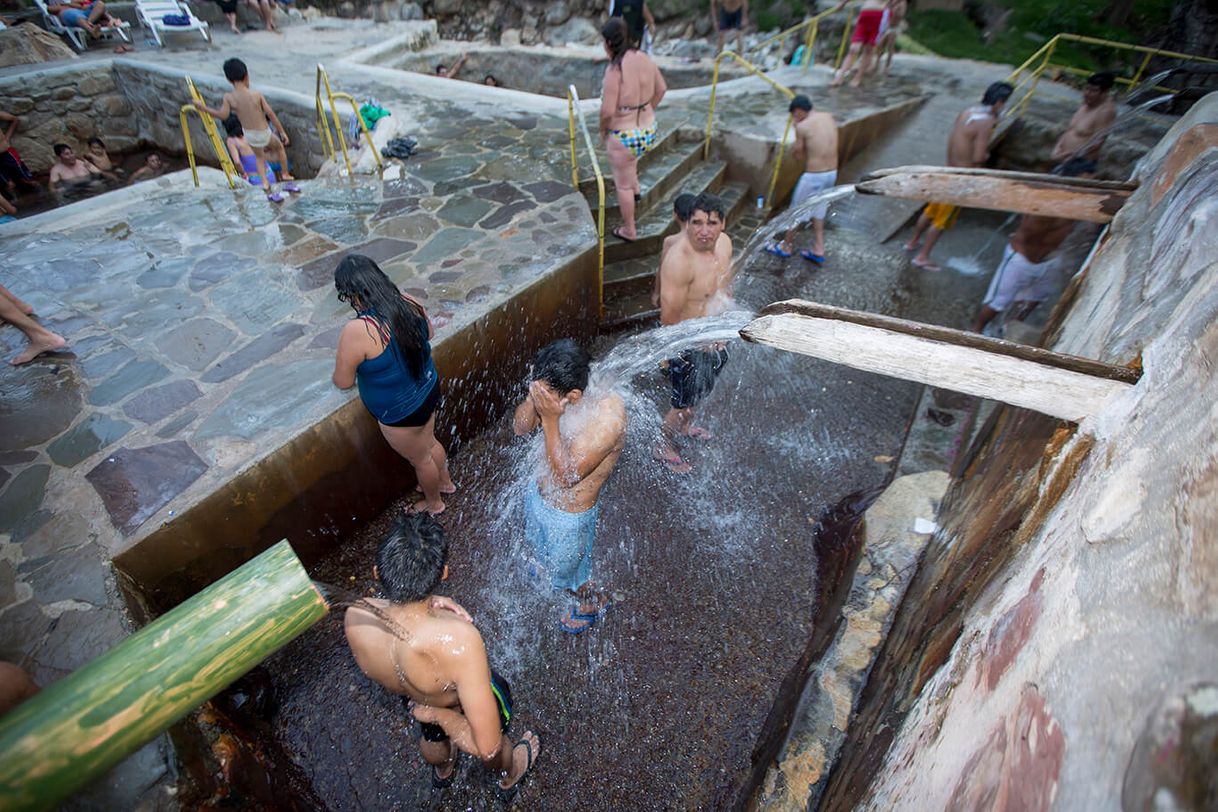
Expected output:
{"points": [[154, 167], [696, 281], [96, 154], [633, 88], [583, 437], [242, 155], [427, 650], [71, 178], [490, 81], [386, 349], [451, 71]]}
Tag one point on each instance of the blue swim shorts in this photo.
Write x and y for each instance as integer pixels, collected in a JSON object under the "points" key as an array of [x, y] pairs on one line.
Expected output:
{"points": [[562, 540]]}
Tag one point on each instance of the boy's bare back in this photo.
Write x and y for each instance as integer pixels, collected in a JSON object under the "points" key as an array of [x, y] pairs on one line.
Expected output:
{"points": [[250, 107]]}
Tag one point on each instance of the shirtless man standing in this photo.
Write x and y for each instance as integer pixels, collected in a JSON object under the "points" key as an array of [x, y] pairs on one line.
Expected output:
{"points": [[969, 146], [816, 145], [862, 41], [696, 280], [1028, 273], [583, 438], [426, 649], [70, 176], [729, 15], [1096, 112]]}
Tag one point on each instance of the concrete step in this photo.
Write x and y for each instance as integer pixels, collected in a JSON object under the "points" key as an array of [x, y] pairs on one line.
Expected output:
{"points": [[668, 141], [656, 223], [657, 182]]}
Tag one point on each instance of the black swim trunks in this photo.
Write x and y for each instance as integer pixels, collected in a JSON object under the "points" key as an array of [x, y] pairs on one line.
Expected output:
{"points": [[693, 375], [503, 697], [729, 20], [421, 415]]}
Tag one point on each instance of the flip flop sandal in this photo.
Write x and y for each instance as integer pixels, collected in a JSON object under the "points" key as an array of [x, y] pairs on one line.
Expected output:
{"points": [[508, 795], [573, 616], [592, 617], [776, 250], [815, 259], [622, 237], [274, 197], [290, 186]]}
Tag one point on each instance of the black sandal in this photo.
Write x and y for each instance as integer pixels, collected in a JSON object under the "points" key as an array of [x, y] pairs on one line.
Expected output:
{"points": [[507, 795]]}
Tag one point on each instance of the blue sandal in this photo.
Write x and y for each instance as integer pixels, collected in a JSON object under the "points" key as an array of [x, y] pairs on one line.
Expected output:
{"points": [[815, 259], [776, 250], [573, 616]]}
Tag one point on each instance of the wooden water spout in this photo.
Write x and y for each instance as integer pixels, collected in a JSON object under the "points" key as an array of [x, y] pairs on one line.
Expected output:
{"points": [[1063, 386], [79, 727], [1095, 201]]}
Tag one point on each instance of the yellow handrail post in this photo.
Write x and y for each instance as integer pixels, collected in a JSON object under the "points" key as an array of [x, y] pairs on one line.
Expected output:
{"points": [[363, 127], [209, 128], [323, 123], [710, 110], [841, 48], [573, 109], [574, 157], [1141, 70], [810, 43], [342, 141], [769, 199], [190, 150]]}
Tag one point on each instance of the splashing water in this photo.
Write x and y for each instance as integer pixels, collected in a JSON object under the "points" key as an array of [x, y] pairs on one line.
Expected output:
{"points": [[795, 215]]}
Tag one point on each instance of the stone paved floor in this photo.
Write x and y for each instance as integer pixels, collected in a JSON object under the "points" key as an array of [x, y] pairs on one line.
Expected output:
{"points": [[203, 322]]}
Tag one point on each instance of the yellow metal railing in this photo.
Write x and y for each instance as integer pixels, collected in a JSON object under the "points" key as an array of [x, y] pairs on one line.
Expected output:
{"points": [[213, 135], [810, 28], [323, 123], [573, 110], [710, 113], [1027, 76]]}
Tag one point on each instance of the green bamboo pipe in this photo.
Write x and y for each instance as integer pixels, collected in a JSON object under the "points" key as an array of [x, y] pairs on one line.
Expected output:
{"points": [[76, 729]]}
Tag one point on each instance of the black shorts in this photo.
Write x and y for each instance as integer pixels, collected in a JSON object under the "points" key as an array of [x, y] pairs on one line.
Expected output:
{"points": [[730, 19], [503, 698], [13, 169], [227, 6], [421, 415], [693, 375]]}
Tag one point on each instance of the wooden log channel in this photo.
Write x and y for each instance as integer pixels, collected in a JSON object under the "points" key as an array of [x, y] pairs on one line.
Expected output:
{"points": [[1095, 201], [79, 727], [1064, 386]]}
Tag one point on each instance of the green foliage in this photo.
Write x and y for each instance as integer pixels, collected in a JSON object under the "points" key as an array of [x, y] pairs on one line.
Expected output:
{"points": [[1034, 22]]}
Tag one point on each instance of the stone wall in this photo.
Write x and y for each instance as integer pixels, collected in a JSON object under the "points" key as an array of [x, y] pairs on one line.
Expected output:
{"points": [[130, 105], [156, 94], [1057, 647], [70, 105]]}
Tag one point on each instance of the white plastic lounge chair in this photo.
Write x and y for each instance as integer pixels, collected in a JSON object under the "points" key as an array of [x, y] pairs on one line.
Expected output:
{"points": [[78, 38], [151, 14]]}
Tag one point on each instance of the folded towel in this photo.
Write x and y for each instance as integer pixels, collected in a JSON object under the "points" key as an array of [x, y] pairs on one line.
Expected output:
{"points": [[176, 19]]}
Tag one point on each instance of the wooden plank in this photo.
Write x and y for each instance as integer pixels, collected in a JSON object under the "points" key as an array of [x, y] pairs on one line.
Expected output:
{"points": [[1094, 201], [79, 727], [935, 357]]}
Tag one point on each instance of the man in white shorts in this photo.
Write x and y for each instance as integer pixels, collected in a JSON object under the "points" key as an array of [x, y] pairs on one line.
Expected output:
{"points": [[816, 146], [1029, 272]]}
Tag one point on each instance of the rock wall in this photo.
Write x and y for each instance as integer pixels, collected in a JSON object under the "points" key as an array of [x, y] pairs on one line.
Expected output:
{"points": [[1058, 646], [131, 105], [70, 105]]}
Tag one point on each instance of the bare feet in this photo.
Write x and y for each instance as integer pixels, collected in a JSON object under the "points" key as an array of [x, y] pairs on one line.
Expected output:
{"points": [[925, 263], [912, 245], [48, 343], [524, 754], [672, 460], [698, 433], [423, 506], [446, 490]]}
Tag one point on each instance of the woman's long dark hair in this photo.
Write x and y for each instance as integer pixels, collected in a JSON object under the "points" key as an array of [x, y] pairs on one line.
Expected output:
{"points": [[363, 285], [617, 38]]}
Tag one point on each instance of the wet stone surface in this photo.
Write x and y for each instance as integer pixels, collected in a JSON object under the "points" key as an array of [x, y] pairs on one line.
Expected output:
{"points": [[135, 483]]}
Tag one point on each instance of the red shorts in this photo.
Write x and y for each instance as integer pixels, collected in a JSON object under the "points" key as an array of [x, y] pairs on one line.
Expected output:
{"points": [[867, 29]]}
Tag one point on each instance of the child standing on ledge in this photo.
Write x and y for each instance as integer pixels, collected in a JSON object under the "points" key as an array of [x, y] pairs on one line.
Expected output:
{"points": [[254, 112]]}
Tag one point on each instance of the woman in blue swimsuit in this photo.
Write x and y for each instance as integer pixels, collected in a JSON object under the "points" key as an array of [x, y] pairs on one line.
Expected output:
{"points": [[385, 349]]}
